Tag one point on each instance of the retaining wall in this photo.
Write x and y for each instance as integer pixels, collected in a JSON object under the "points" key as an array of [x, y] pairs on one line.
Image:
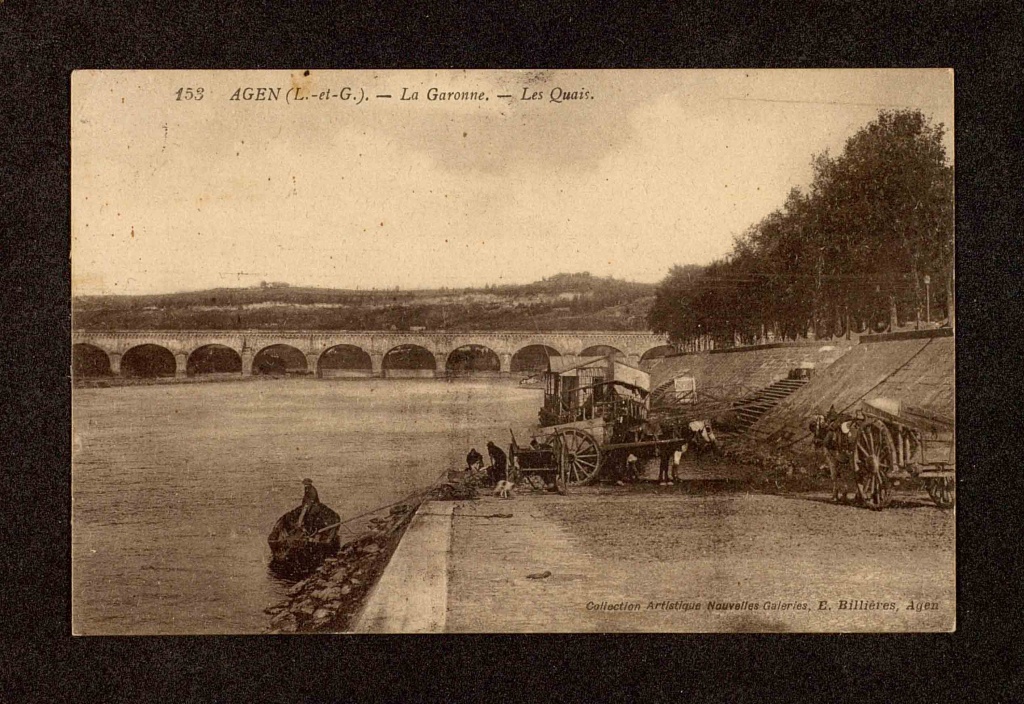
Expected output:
{"points": [[754, 367], [919, 371]]}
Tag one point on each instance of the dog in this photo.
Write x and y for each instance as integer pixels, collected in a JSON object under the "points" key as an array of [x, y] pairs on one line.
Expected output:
{"points": [[504, 489]]}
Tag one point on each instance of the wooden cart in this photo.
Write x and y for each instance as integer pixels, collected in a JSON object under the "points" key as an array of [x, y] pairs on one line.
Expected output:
{"points": [[548, 462], [894, 441], [595, 413]]}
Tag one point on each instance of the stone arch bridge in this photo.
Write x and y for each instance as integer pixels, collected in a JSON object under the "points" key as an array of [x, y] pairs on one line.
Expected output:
{"points": [[374, 347]]}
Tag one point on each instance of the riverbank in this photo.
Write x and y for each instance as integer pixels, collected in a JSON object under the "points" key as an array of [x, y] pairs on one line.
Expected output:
{"points": [[328, 600], [356, 589], [421, 559], [709, 554]]}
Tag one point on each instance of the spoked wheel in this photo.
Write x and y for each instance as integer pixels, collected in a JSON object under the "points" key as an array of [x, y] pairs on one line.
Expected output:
{"points": [[943, 491], [874, 457], [582, 456]]}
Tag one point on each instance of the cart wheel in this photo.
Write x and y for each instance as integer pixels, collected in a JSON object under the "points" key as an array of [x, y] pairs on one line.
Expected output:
{"points": [[582, 456], [943, 491], [874, 458]]}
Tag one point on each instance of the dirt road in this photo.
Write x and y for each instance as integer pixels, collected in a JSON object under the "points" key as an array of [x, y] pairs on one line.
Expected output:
{"points": [[675, 559]]}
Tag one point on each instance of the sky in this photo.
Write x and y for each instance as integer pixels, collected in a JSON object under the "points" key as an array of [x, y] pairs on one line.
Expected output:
{"points": [[636, 172]]}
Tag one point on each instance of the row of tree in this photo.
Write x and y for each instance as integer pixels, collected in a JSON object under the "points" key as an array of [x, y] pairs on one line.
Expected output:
{"points": [[861, 249]]}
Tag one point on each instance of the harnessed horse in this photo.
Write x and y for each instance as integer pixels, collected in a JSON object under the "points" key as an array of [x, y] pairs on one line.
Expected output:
{"points": [[833, 434]]}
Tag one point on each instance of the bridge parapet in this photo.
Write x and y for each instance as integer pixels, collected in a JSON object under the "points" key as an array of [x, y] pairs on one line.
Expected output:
{"points": [[313, 343]]}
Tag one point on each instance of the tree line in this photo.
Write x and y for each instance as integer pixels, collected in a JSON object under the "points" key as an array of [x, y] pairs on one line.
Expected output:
{"points": [[862, 249]]}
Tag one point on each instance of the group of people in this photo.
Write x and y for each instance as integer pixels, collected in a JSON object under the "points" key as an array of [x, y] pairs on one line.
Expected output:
{"points": [[497, 470], [670, 456]]}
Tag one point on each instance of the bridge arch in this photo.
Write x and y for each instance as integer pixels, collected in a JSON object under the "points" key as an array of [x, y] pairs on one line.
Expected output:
{"points": [[344, 361], [603, 351], [656, 353], [89, 360], [148, 361], [213, 358], [472, 359], [533, 358], [279, 359], [409, 360]]}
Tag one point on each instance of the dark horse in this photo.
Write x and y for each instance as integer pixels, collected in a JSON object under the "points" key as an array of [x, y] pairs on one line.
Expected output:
{"points": [[833, 434]]}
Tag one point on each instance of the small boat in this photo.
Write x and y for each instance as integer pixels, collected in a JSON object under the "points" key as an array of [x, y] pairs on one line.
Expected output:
{"points": [[296, 549]]}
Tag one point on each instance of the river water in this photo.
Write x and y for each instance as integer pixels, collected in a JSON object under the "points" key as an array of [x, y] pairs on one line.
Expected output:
{"points": [[176, 486]]}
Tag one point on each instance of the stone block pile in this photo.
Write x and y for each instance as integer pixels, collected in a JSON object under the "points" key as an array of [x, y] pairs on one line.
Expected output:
{"points": [[327, 600]]}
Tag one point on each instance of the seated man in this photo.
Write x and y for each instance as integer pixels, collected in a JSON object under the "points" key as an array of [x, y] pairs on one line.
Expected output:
{"points": [[474, 460], [310, 500]]}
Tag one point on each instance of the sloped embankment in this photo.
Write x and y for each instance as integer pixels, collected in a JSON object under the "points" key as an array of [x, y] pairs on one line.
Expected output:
{"points": [[918, 371], [753, 367]]}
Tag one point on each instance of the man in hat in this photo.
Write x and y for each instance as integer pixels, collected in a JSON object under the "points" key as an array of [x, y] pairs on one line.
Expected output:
{"points": [[499, 463], [309, 499]]}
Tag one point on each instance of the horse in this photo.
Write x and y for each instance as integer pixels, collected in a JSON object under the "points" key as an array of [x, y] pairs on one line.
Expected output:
{"points": [[696, 434], [833, 435], [701, 435]]}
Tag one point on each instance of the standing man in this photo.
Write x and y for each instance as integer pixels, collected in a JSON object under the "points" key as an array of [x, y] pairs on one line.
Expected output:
{"points": [[309, 499], [499, 463], [632, 471], [677, 459], [664, 460]]}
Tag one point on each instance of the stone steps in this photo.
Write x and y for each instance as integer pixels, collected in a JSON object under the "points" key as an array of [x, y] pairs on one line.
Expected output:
{"points": [[765, 400]]}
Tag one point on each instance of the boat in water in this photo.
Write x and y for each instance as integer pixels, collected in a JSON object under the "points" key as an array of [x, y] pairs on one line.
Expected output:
{"points": [[295, 548]]}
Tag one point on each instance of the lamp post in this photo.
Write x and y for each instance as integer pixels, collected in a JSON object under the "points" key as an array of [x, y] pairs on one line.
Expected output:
{"points": [[927, 299], [878, 297]]}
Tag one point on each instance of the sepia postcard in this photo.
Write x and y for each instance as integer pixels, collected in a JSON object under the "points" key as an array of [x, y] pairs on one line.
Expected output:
{"points": [[512, 351]]}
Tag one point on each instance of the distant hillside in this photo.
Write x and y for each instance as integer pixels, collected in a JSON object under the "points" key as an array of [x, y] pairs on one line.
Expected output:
{"points": [[561, 302]]}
